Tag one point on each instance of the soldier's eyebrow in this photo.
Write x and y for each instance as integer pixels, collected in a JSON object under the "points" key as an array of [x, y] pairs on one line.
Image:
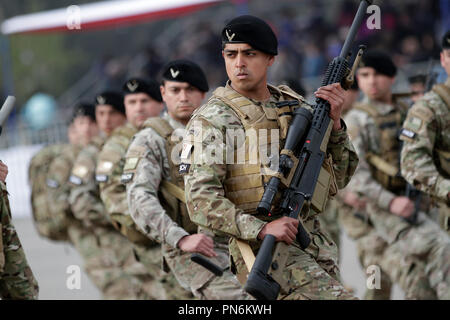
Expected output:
{"points": [[235, 51]]}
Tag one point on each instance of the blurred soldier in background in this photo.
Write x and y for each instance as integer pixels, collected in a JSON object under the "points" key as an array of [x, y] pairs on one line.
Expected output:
{"points": [[109, 257], [411, 251], [16, 278], [417, 86], [142, 99]]}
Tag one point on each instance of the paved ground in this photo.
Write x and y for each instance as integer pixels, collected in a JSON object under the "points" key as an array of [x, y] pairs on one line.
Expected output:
{"points": [[50, 261]]}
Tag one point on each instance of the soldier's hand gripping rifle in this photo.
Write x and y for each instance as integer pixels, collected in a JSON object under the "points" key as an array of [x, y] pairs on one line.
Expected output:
{"points": [[300, 164]]}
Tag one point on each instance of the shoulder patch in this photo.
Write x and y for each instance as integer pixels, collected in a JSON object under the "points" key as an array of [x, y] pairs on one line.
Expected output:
{"points": [[101, 177], [408, 133], [104, 167], [413, 123]]}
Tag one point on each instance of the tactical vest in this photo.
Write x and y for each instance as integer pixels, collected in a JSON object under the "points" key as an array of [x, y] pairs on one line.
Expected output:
{"points": [[171, 193], [244, 182], [42, 215], [384, 166], [443, 155]]}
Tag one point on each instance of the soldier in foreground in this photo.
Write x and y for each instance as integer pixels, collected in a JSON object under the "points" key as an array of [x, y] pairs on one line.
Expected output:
{"points": [[222, 195], [142, 100], [109, 258], [411, 252], [425, 157], [17, 281], [155, 189], [84, 128]]}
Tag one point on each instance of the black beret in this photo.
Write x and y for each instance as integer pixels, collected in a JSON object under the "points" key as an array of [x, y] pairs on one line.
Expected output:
{"points": [[111, 98], [380, 61], [446, 40], [137, 85], [83, 109], [185, 71], [253, 31]]}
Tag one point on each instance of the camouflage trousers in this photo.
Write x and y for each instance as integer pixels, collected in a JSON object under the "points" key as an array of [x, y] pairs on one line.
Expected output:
{"points": [[111, 264], [201, 282], [418, 257], [163, 285]]}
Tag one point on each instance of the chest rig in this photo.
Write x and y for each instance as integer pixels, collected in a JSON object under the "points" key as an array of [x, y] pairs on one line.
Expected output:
{"points": [[244, 183], [171, 193], [384, 164]]}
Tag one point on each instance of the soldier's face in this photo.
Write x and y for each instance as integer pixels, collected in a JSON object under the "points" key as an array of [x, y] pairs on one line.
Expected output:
{"points": [[108, 118], [417, 90], [85, 129], [246, 67], [181, 99], [445, 60], [375, 85], [140, 106]]}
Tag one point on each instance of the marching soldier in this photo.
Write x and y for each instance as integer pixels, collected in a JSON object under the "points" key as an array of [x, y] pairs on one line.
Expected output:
{"points": [[142, 100], [222, 195]]}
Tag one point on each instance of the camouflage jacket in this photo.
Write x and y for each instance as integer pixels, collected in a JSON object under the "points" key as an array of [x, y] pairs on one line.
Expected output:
{"points": [[147, 157], [365, 136], [426, 129], [16, 278], [84, 198], [204, 190]]}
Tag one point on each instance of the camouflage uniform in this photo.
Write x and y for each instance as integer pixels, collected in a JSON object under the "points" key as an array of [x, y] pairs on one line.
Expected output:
{"points": [[386, 238], [109, 170], [109, 256], [425, 160], [16, 278], [216, 202], [148, 169], [58, 189]]}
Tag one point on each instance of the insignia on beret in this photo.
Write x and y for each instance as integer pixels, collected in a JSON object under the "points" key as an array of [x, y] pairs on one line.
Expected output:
{"points": [[174, 73], [101, 177], [101, 100], [230, 38], [132, 85], [75, 180], [52, 183], [126, 177]]}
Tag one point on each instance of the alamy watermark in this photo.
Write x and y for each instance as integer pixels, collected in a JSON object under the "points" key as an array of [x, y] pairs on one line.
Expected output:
{"points": [[73, 21]]}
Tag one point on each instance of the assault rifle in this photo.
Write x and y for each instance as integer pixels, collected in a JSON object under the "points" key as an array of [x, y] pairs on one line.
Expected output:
{"points": [[299, 170]]}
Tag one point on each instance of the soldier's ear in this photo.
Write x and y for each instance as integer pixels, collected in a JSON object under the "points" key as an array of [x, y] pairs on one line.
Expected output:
{"points": [[271, 60]]}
